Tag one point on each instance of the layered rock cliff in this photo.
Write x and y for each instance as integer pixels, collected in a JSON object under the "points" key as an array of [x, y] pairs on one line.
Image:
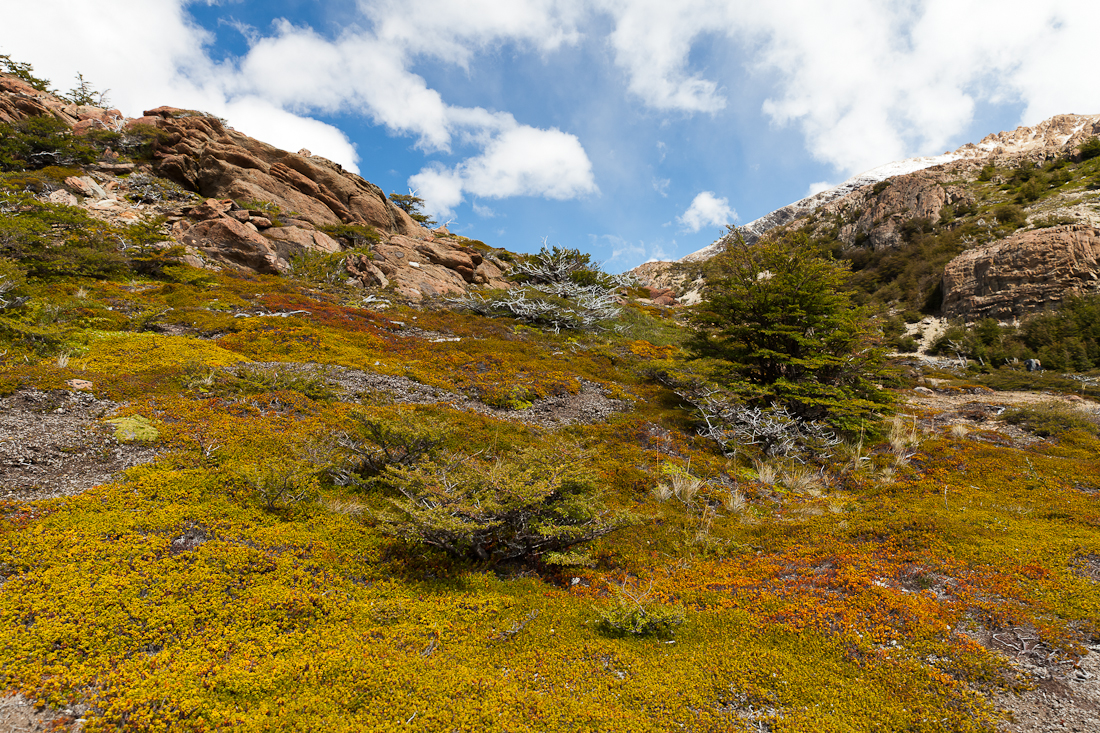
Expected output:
{"points": [[1023, 273]]}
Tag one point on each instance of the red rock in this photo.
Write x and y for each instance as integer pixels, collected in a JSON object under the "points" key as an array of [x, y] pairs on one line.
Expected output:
{"points": [[365, 272], [211, 209], [231, 242], [290, 241]]}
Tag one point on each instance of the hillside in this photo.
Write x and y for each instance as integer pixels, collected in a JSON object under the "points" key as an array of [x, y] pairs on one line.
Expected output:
{"points": [[277, 457], [1001, 228]]}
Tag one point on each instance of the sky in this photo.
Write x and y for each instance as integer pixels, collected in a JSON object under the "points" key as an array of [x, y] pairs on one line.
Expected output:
{"points": [[629, 129]]}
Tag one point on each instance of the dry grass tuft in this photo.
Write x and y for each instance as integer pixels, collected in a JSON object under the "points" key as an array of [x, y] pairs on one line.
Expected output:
{"points": [[803, 480], [958, 431], [766, 473], [734, 501]]}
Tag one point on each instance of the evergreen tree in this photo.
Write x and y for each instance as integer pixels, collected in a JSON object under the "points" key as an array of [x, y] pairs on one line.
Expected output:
{"points": [[779, 321]]}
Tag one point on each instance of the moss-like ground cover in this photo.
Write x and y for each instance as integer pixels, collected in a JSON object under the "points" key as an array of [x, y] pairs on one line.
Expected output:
{"points": [[175, 599]]}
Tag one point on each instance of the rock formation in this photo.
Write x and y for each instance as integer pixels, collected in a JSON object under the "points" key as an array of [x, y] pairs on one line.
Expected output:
{"points": [[870, 211], [203, 155], [1023, 273], [228, 169]]}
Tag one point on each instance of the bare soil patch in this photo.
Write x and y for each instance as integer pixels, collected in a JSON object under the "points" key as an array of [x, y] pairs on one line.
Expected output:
{"points": [[590, 405], [55, 443]]}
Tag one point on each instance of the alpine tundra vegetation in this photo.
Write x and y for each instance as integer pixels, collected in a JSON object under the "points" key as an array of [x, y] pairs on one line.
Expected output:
{"points": [[275, 456]]}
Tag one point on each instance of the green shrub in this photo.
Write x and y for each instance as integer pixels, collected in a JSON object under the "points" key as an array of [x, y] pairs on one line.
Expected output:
{"points": [[51, 241], [85, 94], [1089, 149], [371, 444], [1053, 221], [414, 207], [987, 173], [23, 71], [635, 614], [779, 321], [1032, 190], [1010, 215], [280, 485], [534, 505], [354, 236], [1014, 379], [12, 279], [256, 379], [148, 189], [322, 268], [37, 142]]}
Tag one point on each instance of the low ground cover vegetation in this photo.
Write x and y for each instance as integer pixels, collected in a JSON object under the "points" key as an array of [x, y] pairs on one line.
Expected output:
{"points": [[299, 557], [749, 541]]}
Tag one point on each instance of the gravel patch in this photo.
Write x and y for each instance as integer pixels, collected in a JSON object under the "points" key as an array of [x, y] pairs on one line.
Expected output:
{"points": [[55, 443]]}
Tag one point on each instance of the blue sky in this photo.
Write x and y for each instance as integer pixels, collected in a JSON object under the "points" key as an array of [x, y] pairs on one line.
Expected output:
{"points": [[631, 129]]}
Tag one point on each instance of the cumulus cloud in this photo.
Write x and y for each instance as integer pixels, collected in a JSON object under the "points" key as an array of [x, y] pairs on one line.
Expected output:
{"points": [[707, 210], [164, 63], [519, 161], [865, 81], [626, 251], [817, 187]]}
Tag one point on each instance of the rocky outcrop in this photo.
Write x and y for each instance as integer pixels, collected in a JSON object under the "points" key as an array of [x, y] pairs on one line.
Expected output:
{"points": [[202, 154], [1023, 273], [419, 269], [1056, 137], [914, 196], [19, 100]]}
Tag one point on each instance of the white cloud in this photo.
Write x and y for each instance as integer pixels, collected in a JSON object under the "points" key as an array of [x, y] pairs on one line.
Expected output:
{"points": [[652, 40], [265, 121], [817, 187], [707, 210], [660, 185], [164, 63], [483, 211], [625, 251], [519, 161], [865, 81]]}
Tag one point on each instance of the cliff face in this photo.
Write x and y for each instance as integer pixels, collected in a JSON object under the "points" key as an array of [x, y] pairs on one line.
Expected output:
{"points": [[228, 168], [1023, 273]]}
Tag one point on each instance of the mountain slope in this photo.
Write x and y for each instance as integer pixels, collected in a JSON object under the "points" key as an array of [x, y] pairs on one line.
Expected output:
{"points": [[236, 495]]}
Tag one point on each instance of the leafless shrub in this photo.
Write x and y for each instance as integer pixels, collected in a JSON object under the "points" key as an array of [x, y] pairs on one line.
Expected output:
{"points": [[560, 306], [730, 423], [280, 485], [560, 290]]}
